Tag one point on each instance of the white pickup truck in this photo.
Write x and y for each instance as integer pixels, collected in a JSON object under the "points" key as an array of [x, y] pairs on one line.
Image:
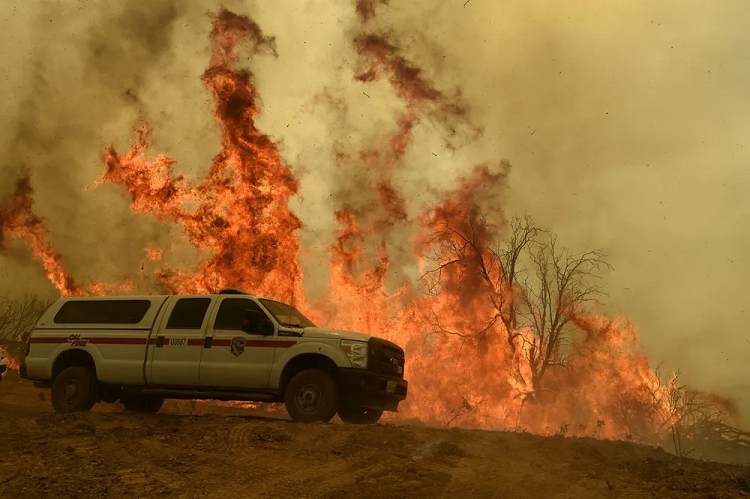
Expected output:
{"points": [[225, 346]]}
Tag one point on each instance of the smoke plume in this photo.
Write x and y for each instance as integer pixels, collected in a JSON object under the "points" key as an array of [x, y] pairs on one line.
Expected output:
{"points": [[624, 123]]}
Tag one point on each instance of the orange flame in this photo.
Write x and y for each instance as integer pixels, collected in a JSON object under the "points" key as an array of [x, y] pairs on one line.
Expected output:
{"points": [[17, 220], [13, 363], [238, 218], [242, 224]]}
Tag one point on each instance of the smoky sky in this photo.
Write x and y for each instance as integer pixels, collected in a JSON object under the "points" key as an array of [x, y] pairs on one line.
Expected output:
{"points": [[626, 125]]}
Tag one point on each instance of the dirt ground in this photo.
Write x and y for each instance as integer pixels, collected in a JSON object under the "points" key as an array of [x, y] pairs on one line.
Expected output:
{"points": [[233, 452]]}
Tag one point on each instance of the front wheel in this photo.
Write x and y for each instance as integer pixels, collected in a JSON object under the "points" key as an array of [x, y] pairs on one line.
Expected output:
{"points": [[358, 415], [148, 404], [311, 396], [75, 389]]}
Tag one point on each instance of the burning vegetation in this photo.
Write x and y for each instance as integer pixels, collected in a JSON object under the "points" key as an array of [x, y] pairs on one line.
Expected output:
{"points": [[499, 332]]}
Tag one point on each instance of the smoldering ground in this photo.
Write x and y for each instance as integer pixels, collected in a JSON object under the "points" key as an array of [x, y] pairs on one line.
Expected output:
{"points": [[625, 125]]}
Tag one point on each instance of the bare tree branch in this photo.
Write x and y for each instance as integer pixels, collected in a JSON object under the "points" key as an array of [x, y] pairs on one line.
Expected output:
{"points": [[18, 316], [534, 286]]}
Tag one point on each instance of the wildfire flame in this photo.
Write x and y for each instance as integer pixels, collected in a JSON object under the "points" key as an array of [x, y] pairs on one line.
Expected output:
{"points": [[13, 363], [17, 220], [237, 217]]}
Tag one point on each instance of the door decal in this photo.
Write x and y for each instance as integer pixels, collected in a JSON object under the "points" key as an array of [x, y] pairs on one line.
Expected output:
{"points": [[237, 346]]}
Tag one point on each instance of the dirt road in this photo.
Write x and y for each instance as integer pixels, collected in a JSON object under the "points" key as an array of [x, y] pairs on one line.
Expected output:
{"points": [[224, 452]]}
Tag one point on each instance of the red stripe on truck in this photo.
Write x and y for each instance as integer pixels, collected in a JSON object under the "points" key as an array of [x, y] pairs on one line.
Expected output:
{"points": [[257, 343], [117, 341], [194, 342], [99, 341], [270, 343], [48, 339]]}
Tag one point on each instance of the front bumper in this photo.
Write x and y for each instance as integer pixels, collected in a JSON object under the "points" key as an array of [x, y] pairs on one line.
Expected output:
{"points": [[370, 391]]}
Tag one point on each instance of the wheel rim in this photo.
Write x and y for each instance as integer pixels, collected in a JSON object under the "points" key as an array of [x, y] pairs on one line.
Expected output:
{"points": [[309, 398], [71, 391]]}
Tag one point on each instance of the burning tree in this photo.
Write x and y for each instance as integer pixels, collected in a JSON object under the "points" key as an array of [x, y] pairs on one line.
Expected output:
{"points": [[533, 288], [560, 286]]}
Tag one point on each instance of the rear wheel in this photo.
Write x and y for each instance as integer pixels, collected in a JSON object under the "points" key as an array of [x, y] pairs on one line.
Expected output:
{"points": [[311, 396], [75, 389], [148, 404], [359, 415]]}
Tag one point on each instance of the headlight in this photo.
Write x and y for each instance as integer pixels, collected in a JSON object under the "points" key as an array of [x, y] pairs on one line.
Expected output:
{"points": [[356, 351]]}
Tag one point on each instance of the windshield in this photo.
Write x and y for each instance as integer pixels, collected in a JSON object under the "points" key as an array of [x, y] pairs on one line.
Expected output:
{"points": [[286, 315]]}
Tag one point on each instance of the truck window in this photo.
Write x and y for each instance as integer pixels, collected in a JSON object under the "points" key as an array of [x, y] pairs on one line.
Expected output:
{"points": [[232, 312], [188, 313], [286, 315], [102, 312]]}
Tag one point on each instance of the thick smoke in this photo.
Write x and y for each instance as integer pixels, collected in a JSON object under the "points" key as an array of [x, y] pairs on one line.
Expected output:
{"points": [[77, 70], [624, 122]]}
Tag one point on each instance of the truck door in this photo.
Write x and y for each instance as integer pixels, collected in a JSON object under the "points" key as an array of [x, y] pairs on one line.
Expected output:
{"points": [[175, 347], [232, 358]]}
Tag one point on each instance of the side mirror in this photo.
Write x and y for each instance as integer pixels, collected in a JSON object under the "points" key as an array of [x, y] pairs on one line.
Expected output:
{"points": [[254, 322]]}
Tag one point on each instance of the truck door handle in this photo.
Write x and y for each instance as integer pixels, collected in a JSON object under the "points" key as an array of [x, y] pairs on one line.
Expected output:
{"points": [[159, 341], [208, 342]]}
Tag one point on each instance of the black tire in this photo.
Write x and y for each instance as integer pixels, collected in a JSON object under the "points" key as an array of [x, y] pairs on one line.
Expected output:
{"points": [[149, 404], [311, 396], [75, 389], [359, 415]]}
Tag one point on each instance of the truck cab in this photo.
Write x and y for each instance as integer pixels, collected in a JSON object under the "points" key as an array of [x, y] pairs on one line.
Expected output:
{"points": [[225, 346]]}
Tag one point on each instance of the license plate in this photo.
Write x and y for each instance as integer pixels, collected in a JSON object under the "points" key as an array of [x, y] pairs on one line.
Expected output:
{"points": [[391, 387]]}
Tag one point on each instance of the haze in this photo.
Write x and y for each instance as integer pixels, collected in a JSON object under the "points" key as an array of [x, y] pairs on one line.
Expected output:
{"points": [[625, 123]]}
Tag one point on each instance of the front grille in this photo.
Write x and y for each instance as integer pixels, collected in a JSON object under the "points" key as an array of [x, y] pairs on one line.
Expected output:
{"points": [[386, 358]]}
